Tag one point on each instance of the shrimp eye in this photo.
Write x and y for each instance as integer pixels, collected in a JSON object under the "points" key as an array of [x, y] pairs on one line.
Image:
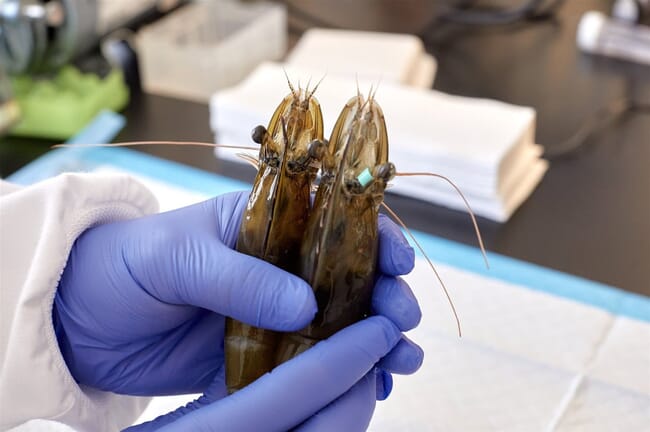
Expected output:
{"points": [[354, 185], [385, 171], [258, 134], [316, 149]]}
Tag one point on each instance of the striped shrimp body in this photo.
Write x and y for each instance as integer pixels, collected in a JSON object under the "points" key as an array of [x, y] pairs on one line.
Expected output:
{"points": [[275, 217], [339, 250]]}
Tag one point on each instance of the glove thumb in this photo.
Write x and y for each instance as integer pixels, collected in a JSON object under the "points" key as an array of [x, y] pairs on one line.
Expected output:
{"points": [[186, 258], [254, 292]]}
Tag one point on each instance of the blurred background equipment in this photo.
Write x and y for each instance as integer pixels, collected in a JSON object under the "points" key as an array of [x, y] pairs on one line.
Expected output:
{"points": [[210, 45], [8, 106], [598, 34], [39, 36], [626, 37], [50, 48], [632, 11], [61, 105], [43, 35], [420, 17]]}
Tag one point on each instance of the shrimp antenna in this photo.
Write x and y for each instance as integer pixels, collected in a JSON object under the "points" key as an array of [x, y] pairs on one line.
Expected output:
{"points": [[138, 143], [316, 87], [293, 91], [359, 95], [469, 208], [444, 288], [252, 160], [371, 96], [367, 100], [356, 78], [307, 88]]}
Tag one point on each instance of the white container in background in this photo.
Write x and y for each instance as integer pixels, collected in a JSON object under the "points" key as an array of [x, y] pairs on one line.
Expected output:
{"points": [[598, 34], [209, 45], [371, 56]]}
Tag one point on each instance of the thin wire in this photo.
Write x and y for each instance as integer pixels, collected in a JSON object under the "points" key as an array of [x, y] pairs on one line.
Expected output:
{"points": [[469, 208], [532, 9], [444, 288], [252, 160], [597, 121], [309, 18]]}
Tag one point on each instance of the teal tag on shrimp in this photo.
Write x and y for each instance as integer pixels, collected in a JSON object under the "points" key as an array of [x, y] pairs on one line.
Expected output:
{"points": [[365, 177]]}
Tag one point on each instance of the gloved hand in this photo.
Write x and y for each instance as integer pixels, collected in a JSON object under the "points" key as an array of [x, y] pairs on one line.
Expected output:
{"points": [[140, 310]]}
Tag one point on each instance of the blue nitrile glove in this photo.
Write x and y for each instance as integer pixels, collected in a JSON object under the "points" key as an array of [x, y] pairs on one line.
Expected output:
{"points": [[140, 310]]}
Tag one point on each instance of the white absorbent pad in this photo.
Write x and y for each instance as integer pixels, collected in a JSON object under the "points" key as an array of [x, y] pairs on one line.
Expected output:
{"points": [[486, 147], [528, 361]]}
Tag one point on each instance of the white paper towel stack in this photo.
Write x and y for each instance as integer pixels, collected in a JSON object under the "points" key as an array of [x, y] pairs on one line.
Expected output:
{"points": [[486, 147]]}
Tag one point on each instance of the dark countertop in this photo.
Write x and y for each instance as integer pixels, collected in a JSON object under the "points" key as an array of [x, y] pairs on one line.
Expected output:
{"points": [[590, 216]]}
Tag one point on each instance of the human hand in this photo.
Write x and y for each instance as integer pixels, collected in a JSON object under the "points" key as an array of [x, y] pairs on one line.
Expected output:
{"points": [[141, 304]]}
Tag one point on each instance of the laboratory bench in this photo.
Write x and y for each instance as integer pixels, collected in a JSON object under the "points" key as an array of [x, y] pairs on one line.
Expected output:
{"points": [[589, 216]]}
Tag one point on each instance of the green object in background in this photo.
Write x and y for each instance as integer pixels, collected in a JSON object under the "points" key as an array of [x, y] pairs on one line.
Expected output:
{"points": [[59, 107]]}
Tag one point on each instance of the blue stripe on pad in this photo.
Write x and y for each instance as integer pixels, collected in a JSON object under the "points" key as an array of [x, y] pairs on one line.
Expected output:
{"points": [[167, 171], [536, 277]]}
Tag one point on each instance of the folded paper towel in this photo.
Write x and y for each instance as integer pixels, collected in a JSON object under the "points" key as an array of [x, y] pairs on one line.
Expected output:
{"points": [[478, 143]]}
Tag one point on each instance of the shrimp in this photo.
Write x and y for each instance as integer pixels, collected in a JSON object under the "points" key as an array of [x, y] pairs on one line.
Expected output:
{"points": [[275, 217]]}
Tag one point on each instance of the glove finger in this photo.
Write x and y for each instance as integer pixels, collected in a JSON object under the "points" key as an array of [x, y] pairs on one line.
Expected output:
{"points": [[396, 256], [350, 412], [393, 298], [297, 389], [405, 359]]}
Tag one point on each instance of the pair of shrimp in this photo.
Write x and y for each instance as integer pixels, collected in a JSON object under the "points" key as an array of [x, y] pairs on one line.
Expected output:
{"points": [[332, 244]]}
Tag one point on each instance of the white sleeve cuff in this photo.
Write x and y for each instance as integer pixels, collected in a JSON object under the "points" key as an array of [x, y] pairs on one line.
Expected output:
{"points": [[38, 225]]}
